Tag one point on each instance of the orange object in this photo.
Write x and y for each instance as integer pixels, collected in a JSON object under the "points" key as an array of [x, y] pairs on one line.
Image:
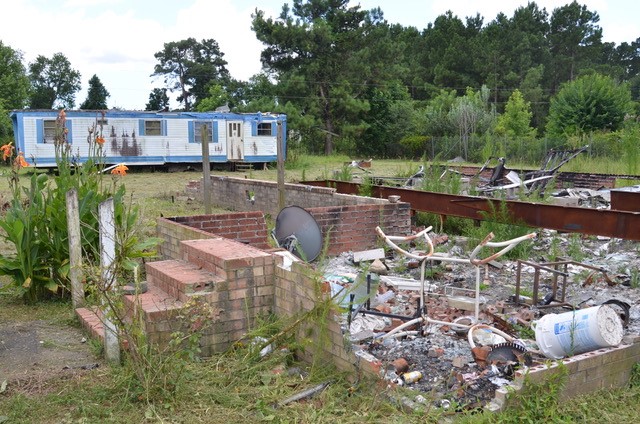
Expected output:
{"points": [[120, 170]]}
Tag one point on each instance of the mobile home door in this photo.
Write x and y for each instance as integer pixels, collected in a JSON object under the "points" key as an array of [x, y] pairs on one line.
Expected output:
{"points": [[235, 142]]}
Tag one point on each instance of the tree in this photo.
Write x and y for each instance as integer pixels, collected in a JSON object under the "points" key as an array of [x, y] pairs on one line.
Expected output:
{"points": [[54, 83], [450, 52], [96, 96], [575, 41], [590, 103], [323, 54], [217, 97], [14, 83], [515, 122], [190, 67], [470, 115], [158, 100]]}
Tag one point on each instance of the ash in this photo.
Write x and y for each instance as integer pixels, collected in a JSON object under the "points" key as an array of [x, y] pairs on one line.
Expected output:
{"points": [[453, 373]]}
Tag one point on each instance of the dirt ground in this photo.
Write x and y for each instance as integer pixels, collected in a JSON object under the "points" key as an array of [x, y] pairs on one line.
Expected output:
{"points": [[33, 352]]}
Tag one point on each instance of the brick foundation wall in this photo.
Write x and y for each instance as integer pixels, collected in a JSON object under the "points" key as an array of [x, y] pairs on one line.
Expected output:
{"points": [[296, 291], [588, 372], [352, 228], [246, 227], [235, 193], [349, 227]]}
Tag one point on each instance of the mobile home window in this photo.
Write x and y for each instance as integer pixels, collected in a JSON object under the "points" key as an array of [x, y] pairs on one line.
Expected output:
{"points": [[49, 130], [264, 128], [152, 127], [203, 131]]}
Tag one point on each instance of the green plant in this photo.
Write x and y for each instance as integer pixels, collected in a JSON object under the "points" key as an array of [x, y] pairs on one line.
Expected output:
{"points": [[344, 174], [634, 282], [537, 402], [366, 187], [554, 248], [574, 248], [499, 222], [634, 380], [35, 225]]}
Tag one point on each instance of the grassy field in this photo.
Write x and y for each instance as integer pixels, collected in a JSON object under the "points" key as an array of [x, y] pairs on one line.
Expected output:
{"points": [[240, 386]]}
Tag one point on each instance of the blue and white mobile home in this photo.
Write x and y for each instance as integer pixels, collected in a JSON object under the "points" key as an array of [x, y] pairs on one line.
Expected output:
{"points": [[152, 138]]}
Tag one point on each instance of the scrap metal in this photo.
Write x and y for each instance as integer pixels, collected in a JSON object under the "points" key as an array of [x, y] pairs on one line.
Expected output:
{"points": [[610, 223]]}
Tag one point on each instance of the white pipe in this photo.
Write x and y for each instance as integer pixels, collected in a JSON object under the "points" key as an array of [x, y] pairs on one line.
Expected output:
{"points": [[402, 327], [405, 333], [394, 246], [451, 324], [492, 329]]}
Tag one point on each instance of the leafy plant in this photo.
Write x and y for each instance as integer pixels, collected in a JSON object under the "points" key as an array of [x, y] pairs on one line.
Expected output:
{"points": [[37, 227]]}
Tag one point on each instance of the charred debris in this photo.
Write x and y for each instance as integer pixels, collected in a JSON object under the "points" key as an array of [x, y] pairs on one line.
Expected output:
{"points": [[454, 324]]}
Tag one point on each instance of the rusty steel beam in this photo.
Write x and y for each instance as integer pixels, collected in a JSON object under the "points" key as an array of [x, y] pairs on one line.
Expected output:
{"points": [[603, 222]]}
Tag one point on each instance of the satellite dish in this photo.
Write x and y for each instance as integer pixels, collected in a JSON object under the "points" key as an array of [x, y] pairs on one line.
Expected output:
{"points": [[298, 232]]}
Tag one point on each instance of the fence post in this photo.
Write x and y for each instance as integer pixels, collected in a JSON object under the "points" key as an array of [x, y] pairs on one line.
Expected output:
{"points": [[280, 152], [106, 216], [75, 249], [206, 171]]}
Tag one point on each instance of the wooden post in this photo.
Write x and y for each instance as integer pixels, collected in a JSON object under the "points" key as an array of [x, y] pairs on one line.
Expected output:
{"points": [[75, 249], [206, 170], [281, 189], [106, 216]]}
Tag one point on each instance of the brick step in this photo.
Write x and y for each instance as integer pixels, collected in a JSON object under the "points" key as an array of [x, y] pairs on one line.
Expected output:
{"points": [[156, 304], [223, 256], [91, 321], [181, 279]]}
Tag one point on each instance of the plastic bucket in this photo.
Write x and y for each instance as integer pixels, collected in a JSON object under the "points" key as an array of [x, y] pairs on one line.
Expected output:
{"points": [[583, 330]]}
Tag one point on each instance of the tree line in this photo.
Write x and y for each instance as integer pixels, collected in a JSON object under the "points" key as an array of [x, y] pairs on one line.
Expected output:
{"points": [[349, 81]]}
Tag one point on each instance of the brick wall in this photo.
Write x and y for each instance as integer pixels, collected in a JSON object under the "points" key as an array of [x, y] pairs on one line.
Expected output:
{"points": [[352, 227], [236, 193], [296, 292], [588, 372], [349, 227], [246, 227]]}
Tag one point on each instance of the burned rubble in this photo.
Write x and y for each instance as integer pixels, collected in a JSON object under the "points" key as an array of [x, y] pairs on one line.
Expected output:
{"points": [[453, 331]]}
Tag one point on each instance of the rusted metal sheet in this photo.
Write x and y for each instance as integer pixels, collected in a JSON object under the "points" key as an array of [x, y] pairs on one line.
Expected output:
{"points": [[611, 223], [623, 200]]}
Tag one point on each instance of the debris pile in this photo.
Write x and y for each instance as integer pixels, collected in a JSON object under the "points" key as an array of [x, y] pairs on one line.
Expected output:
{"points": [[453, 327]]}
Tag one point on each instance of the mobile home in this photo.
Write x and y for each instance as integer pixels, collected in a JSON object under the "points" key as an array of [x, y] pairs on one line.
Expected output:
{"points": [[152, 138]]}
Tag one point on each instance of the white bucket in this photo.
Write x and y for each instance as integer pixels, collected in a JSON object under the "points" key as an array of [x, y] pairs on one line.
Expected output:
{"points": [[583, 330]]}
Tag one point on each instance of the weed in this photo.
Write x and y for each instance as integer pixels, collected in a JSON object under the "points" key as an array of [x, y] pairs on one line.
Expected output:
{"points": [[574, 248], [554, 248], [537, 402], [634, 380], [344, 174], [635, 278], [366, 187], [498, 220]]}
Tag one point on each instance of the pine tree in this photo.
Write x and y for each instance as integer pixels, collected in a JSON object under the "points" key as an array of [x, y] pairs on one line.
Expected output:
{"points": [[96, 95]]}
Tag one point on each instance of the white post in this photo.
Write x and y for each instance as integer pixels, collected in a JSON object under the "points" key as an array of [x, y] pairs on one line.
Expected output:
{"points": [[281, 153], [75, 249], [107, 257]]}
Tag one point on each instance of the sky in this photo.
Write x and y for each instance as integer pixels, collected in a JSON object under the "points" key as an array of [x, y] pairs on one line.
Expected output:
{"points": [[117, 39]]}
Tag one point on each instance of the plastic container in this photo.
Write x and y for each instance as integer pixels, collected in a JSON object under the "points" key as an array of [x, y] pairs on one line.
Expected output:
{"points": [[583, 330]]}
